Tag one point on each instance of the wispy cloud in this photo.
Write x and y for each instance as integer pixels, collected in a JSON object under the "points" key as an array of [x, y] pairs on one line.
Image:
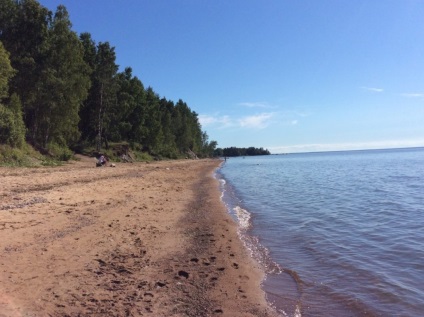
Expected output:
{"points": [[296, 113], [258, 121], [261, 104], [321, 147], [372, 89], [220, 121], [294, 122], [413, 95], [303, 114]]}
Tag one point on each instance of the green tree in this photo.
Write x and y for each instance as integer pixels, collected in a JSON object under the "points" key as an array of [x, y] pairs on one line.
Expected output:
{"points": [[90, 50], [65, 83], [196, 132], [234, 151], [218, 152], [182, 129], [167, 147], [106, 87], [6, 72], [12, 129], [130, 93], [208, 148], [187, 129], [152, 135], [24, 31], [137, 116], [96, 111], [87, 125]]}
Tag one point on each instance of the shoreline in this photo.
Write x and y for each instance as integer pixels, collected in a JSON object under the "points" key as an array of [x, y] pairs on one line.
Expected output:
{"points": [[137, 240]]}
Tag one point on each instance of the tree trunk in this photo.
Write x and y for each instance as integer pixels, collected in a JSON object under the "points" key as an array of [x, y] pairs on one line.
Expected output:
{"points": [[99, 128]]}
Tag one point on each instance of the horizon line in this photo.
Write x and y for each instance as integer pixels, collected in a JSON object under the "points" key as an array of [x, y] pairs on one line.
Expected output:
{"points": [[352, 150]]}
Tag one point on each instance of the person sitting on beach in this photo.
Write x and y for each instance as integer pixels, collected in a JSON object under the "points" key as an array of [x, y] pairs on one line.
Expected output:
{"points": [[102, 161]]}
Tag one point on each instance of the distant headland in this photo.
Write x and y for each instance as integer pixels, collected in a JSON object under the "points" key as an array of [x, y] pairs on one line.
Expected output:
{"points": [[237, 151]]}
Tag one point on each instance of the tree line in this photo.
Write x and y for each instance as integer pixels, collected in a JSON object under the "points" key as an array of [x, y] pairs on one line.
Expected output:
{"points": [[61, 89], [236, 151]]}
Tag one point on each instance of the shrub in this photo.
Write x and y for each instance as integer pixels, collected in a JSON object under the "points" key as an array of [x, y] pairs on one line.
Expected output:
{"points": [[12, 129], [58, 152], [10, 156]]}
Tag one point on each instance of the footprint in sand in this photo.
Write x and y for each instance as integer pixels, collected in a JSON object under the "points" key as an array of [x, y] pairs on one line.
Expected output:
{"points": [[147, 297], [183, 274], [160, 284]]}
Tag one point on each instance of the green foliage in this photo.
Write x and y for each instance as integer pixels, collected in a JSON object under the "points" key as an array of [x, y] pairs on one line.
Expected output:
{"points": [[98, 109], [58, 152], [10, 156], [207, 148], [6, 126], [65, 84], [25, 156], [19, 126], [235, 151], [11, 128], [143, 157], [126, 115], [24, 32], [6, 71], [52, 76], [219, 152]]}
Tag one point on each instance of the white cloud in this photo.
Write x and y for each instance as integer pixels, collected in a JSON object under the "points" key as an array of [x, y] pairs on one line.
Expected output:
{"points": [[206, 120], [220, 121], [322, 147], [372, 89], [259, 121], [413, 95], [294, 122], [255, 104]]}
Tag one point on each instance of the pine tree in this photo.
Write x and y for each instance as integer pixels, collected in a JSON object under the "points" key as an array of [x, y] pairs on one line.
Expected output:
{"points": [[65, 84], [24, 31], [12, 129]]}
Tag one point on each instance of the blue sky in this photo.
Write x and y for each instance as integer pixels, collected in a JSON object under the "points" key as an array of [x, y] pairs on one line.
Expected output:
{"points": [[290, 76]]}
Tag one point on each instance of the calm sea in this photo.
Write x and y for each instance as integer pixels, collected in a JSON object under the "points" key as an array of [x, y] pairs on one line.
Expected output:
{"points": [[339, 233]]}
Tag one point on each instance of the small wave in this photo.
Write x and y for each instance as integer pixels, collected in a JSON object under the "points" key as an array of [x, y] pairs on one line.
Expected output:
{"points": [[296, 278], [222, 183], [243, 217], [260, 253]]}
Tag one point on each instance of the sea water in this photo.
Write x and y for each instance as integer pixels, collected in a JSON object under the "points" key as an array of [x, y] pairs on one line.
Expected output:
{"points": [[338, 233]]}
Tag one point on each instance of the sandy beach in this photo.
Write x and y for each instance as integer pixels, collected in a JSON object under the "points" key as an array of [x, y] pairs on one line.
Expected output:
{"points": [[135, 240]]}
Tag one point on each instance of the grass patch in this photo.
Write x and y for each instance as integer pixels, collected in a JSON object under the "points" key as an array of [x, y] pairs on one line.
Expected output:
{"points": [[25, 156], [55, 154]]}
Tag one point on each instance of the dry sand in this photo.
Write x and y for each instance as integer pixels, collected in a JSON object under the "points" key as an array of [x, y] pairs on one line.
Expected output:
{"points": [[136, 240]]}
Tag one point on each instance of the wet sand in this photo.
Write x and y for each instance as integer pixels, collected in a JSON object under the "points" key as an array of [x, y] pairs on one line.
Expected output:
{"points": [[135, 240]]}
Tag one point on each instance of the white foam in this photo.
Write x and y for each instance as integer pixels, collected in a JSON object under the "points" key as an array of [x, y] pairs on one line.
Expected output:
{"points": [[297, 312], [243, 217], [222, 183]]}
